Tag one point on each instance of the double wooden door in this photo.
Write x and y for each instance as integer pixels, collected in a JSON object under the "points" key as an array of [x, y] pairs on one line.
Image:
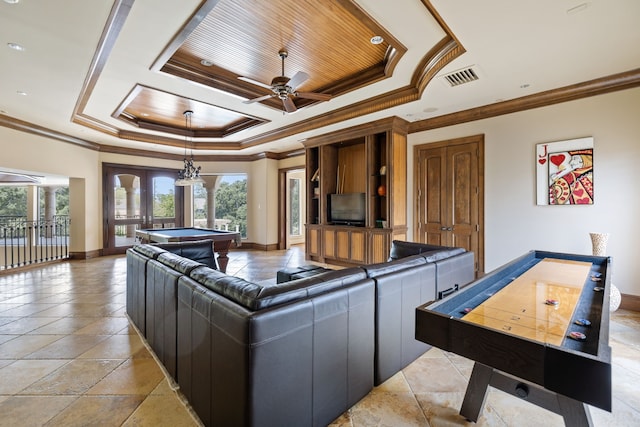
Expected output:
{"points": [[137, 198], [449, 184]]}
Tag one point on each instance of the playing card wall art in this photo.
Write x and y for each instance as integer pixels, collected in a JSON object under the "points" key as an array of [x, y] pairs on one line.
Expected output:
{"points": [[565, 172]]}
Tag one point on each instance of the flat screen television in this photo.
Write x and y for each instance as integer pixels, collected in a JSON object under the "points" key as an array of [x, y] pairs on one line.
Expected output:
{"points": [[347, 209]]}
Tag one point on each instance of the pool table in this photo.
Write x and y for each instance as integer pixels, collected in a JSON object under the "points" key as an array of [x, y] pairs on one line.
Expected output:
{"points": [[536, 328], [221, 239]]}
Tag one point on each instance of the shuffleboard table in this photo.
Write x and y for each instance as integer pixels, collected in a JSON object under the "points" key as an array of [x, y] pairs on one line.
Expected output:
{"points": [[221, 239], [537, 328]]}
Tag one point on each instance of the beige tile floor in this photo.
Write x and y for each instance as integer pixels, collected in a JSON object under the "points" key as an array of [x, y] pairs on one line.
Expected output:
{"points": [[68, 357]]}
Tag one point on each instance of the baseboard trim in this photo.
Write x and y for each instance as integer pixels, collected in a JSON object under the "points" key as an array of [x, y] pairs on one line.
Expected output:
{"points": [[85, 255], [259, 246], [630, 302]]}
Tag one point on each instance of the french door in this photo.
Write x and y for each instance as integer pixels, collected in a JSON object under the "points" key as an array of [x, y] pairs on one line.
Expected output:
{"points": [[137, 198]]}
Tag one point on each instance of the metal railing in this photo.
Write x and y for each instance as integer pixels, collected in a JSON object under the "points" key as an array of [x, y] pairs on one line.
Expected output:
{"points": [[24, 242]]}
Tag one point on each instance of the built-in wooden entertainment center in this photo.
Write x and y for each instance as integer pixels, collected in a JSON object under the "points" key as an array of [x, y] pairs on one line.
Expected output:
{"points": [[369, 159]]}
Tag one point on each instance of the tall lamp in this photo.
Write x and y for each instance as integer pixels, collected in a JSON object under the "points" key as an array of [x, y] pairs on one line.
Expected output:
{"points": [[189, 174]]}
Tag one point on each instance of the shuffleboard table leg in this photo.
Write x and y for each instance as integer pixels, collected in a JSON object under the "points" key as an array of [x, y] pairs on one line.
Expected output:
{"points": [[575, 413], [476, 392]]}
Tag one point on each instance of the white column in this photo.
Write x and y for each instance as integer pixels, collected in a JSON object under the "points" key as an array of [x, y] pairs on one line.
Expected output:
{"points": [[211, 184], [128, 182], [49, 210]]}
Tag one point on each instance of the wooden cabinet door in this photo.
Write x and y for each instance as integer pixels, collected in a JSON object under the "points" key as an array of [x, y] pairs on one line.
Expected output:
{"points": [[379, 246], [313, 240], [357, 244], [349, 245], [450, 205]]}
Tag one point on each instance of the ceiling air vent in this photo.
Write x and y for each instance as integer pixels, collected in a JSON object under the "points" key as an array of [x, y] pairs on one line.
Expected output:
{"points": [[459, 77]]}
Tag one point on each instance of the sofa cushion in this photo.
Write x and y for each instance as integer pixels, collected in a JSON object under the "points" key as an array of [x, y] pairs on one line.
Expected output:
{"points": [[149, 250], [178, 263], [197, 250], [375, 270], [254, 296]]}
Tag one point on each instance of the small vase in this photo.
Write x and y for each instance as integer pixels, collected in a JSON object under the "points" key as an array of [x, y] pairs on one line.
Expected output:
{"points": [[599, 243], [599, 248]]}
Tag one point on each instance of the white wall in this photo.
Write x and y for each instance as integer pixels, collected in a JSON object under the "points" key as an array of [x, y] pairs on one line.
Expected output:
{"points": [[31, 153], [514, 224]]}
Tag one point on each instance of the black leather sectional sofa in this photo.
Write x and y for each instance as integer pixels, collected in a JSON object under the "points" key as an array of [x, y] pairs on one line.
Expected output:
{"points": [[295, 353]]}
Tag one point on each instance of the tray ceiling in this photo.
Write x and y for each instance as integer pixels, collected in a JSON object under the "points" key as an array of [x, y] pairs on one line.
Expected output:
{"points": [[117, 75]]}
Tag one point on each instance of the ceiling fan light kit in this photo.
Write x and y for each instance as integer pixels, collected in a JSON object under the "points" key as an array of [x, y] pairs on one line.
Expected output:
{"points": [[284, 88]]}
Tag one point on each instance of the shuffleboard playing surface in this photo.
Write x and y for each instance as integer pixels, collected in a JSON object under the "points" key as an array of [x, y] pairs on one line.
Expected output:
{"points": [[522, 307]]}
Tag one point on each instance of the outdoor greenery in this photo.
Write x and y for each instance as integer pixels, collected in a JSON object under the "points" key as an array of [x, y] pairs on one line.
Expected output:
{"points": [[164, 205], [231, 203], [13, 201], [295, 228]]}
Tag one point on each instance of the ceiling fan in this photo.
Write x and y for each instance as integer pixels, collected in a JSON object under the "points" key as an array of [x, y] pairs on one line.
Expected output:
{"points": [[284, 88]]}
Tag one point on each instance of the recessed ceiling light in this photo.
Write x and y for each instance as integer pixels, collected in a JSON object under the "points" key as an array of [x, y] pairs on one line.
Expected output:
{"points": [[11, 1], [206, 63], [20, 92], [16, 46], [430, 110], [376, 39]]}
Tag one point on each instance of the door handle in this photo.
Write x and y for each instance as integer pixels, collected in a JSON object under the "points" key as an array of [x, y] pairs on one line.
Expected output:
{"points": [[446, 228]]}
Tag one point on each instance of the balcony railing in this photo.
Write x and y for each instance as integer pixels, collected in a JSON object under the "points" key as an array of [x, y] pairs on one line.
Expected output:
{"points": [[24, 242]]}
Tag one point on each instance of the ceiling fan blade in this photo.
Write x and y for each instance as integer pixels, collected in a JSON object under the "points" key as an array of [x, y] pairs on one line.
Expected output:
{"points": [[316, 96], [262, 98], [289, 105], [297, 79], [254, 82]]}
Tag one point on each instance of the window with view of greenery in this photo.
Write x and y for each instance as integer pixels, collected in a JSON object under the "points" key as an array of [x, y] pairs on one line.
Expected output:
{"points": [[231, 203]]}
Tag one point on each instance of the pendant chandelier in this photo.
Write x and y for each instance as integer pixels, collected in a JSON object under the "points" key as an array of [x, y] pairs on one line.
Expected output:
{"points": [[189, 174]]}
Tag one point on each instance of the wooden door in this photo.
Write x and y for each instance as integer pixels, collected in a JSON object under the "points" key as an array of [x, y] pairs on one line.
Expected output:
{"points": [[136, 198], [449, 184]]}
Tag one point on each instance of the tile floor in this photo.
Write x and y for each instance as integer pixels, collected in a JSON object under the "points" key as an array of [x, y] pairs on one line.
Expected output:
{"points": [[68, 357]]}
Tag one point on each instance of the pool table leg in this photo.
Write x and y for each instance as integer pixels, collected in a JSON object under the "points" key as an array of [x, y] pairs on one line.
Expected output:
{"points": [[221, 247]]}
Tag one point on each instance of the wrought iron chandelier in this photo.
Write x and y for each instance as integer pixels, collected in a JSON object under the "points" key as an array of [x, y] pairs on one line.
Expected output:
{"points": [[189, 174]]}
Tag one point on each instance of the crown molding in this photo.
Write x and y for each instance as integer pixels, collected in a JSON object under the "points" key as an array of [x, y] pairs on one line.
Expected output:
{"points": [[615, 82]]}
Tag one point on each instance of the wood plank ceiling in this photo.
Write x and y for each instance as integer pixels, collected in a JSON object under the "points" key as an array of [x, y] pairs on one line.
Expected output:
{"points": [[330, 40]]}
